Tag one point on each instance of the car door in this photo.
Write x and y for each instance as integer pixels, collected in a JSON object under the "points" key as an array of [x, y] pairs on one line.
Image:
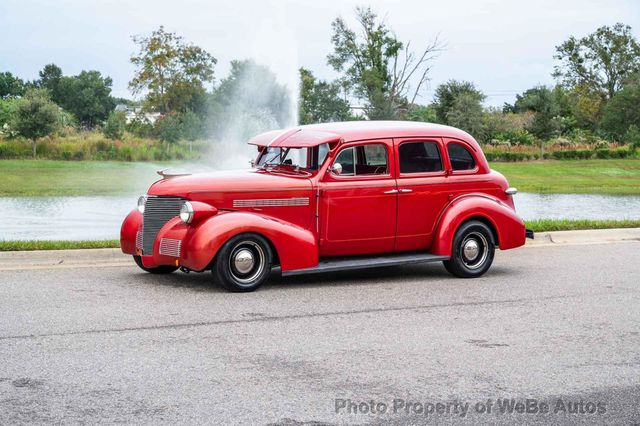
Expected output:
{"points": [[422, 187], [358, 203]]}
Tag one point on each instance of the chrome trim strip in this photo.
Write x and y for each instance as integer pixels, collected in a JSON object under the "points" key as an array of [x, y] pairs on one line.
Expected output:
{"points": [[272, 202]]}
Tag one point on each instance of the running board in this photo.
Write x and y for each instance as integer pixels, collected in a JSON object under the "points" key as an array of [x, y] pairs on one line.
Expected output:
{"points": [[363, 262]]}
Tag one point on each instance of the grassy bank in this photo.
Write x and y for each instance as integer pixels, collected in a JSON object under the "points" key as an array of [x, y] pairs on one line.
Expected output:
{"points": [[547, 225], [57, 245], [61, 178], [543, 225], [620, 177]]}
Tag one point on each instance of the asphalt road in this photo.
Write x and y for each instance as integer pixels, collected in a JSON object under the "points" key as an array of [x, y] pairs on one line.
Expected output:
{"points": [[558, 325]]}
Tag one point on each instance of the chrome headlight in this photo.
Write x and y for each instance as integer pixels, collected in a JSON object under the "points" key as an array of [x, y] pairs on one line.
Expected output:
{"points": [[141, 202], [186, 212]]}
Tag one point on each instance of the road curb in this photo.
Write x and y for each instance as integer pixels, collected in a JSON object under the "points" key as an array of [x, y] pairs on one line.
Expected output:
{"points": [[590, 236], [12, 260], [42, 259]]}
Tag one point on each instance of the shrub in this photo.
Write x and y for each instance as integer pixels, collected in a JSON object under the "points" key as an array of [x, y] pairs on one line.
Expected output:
{"points": [[170, 128], [115, 125], [632, 137], [140, 128]]}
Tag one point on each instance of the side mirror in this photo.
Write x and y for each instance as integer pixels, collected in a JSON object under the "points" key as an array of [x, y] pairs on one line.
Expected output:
{"points": [[336, 168], [253, 163]]}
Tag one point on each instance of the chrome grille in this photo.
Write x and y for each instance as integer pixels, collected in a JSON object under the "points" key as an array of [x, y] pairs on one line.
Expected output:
{"points": [[170, 247], [139, 240], [157, 212]]}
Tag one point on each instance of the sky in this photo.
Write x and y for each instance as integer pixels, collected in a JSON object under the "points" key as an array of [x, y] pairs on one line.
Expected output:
{"points": [[503, 47]]}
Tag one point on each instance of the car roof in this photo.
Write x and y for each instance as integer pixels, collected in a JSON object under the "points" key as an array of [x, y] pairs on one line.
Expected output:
{"points": [[347, 131]]}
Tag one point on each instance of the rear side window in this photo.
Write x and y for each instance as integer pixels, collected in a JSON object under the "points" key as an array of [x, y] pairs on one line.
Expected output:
{"points": [[419, 157], [460, 157]]}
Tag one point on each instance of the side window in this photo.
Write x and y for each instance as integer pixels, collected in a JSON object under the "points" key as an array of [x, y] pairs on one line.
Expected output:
{"points": [[346, 160], [363, 160], [460, 157], [372, 160], [419, 157]]}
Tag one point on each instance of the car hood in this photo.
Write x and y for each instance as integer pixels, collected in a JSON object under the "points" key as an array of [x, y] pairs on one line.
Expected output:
{"points": [[203, 185]]}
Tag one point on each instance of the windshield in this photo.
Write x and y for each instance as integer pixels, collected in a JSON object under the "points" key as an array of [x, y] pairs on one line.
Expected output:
{"points": [[305, 158]]}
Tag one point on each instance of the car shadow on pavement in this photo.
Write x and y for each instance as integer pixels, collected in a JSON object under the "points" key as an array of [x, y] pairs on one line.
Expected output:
{"points": [[364, 277], [424, 272]]}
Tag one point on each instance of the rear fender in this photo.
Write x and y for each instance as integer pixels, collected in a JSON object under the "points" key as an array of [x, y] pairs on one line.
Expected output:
{"points": [[507, 225], [296, 247]]}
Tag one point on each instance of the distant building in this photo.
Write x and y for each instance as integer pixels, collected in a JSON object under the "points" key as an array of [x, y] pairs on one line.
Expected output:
{"points": [[136, 114]]}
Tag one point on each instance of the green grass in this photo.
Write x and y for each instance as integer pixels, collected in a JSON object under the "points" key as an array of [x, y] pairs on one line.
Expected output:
{"points": [[48, 177], [542, 225], [619, 177], [545, 225], [61, 178], [57, 245]]}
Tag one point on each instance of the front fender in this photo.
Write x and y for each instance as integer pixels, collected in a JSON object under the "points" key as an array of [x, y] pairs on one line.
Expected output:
{"points": [[296, 247], [508, 226], [129, 231]]}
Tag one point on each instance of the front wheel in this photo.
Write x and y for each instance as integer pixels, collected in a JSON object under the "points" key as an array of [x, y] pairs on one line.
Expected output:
{"points": [[472, 252], [162, 269], [243, 263]]}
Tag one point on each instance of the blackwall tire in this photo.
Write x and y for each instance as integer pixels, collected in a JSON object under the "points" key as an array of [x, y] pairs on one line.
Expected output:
{"points": [[472, 252], [243, 263], [162, 269]]}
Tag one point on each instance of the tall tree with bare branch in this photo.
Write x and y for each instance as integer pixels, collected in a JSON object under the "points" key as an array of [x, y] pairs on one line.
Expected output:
{"points": [[385, 72]]}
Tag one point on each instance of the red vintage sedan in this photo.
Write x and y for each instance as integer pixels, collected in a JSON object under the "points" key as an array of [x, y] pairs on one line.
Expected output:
{"points": [[328, 197]]}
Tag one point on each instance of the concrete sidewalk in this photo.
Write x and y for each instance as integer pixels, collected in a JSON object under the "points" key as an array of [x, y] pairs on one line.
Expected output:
{"points": [[44, 259]]}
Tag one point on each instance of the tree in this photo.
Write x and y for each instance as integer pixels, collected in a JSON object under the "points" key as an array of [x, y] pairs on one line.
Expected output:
{"points": [[586, 106], [36, 116], [320, 101], [50, 77], [446, 100], [115, 125], [600, 61], [622, 112], [171, 70], [541, 101], [425, 113], [466, 113], [380, 68], [10, 85], [87, 96], [7, 110]]}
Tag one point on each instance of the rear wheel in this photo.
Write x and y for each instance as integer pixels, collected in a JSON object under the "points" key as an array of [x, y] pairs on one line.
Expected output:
{"points": [[243, 263], [472, 252], [162, 269]]}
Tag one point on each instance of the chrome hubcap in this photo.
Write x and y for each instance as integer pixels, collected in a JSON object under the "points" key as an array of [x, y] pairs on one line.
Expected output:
{"points": [[471, 249], [474, 250], [243, 261], [247, 261]]}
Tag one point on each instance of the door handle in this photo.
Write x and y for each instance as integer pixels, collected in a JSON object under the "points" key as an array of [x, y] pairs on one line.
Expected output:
{"points": [[405, 190], [391, 191]]}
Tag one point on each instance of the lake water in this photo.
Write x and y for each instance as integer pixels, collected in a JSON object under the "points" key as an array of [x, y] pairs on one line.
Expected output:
{"points": [[92, 218]]}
